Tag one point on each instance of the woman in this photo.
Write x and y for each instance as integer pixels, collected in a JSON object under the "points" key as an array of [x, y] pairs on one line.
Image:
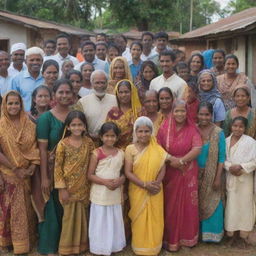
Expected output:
{"points": [[49, 132], [210, 161], [86, 70], [150, 109], [147, 73], [165, 98], [119, 70], [18, 160], [127, 111], [207, 85], [240, 165], [136, 62], [145, 168], [75, 77], [241, 98], [67, 65], [180, 138], [230, 80], [50, 72], [196, 64], [218, 60]]}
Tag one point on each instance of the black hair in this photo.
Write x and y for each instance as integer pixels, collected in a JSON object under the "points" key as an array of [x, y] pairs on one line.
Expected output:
{"points": [[101, 43], [161, 35], [49, 63], [151, 64], [136, 43], [64, 35], [88, 43], [50, 41], [60, 82], [147, 33], [192, 83], [242, 119], [108, 126], [33, 109], [219, 51], [87, 63], [122, 36], [168, 53], [165, 89], [180, 65], [125, 83], [232, 56], [247, 92], [200, 57], [70, 117], [74, 72], [178, 51], [205, 104], [113, 45]]}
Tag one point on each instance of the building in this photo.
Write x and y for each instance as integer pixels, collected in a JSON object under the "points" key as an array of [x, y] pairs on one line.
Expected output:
{"points": [[235, 34]]}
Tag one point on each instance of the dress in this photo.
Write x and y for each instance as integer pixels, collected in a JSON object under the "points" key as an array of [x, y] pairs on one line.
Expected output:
{"points": [[251, 127], [49, 129], [70, 172], [146, 212], [240, 206], [211, 209], [106, 226], [17, 218], [180, 189]]}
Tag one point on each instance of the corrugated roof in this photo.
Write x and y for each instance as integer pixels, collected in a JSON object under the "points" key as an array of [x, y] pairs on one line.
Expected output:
{"points": [[36, 23], [232, 23], [136, 35]]}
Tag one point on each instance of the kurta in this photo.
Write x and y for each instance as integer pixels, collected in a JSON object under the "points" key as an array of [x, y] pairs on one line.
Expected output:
{"points": [[240, 205]]}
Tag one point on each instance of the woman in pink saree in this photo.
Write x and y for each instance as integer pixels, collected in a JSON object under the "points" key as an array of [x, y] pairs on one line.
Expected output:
{"points": [[180, 138]]}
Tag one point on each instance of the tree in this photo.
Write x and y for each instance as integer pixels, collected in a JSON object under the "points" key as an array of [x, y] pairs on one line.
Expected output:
{"points": [[240, 5]]}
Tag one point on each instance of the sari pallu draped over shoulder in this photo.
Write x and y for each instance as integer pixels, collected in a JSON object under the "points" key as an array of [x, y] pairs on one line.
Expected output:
{"points": [[146, 212]]}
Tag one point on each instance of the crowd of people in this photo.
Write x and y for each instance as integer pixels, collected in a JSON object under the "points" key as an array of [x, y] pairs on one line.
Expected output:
{"points": [[120, 144]]}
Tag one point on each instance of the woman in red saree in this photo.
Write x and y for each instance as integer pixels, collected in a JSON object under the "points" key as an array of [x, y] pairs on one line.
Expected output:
{"points": [[180, 138]]}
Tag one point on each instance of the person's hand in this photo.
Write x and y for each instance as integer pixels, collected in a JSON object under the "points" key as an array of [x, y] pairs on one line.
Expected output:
{"points": [[216, 184], [109, 183], [118, 181], [152, 187], [20, 173], [63, 195], [175, 162], [236, 170], [46, 186]]}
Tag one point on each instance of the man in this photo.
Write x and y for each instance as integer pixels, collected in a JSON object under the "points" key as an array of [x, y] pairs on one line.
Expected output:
{"points": [[147, 42], [89, 51], [83, 39], [101, 37], [169, 79], [5, 78], [97, 105], [18, 57], [26, 82], [121, 42], [101, 50], [63, 47], [49, 47]]}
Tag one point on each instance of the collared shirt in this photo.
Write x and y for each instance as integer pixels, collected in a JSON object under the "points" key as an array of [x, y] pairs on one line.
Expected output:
{"points": [[60, 59], [97, 63], [13, 71], [5, 84], [96, 110], [127, 54], [25, 84], [135, 69], [148, 57], [175, 83]]}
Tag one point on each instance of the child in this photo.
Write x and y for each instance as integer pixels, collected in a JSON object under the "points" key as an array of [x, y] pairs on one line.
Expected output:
{"points": [[240, 164], [182, 71], [70, 175], [136, 62], [106, 227]]}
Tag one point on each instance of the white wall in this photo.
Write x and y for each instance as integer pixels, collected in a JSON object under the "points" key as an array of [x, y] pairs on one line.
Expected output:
{"points": [[240, 52]]}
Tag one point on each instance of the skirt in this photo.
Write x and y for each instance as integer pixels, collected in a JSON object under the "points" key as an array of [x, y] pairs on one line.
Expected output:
{"points": [[106, 229]]}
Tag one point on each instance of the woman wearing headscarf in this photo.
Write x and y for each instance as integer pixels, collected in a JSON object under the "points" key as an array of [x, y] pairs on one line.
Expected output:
{"points": [[208, 92]]}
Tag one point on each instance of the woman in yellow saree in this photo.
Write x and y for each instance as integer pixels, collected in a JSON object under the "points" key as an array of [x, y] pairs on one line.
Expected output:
{"points": [[145, 168]]}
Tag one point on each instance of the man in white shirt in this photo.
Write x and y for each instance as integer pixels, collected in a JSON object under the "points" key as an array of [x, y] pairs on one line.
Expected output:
{"points": [[49, 47], [101, 50], [18, 58], [97, 104], [88, 51], [169, 79], [147, 42], [5, 78], [63, 47], [121, 42]]}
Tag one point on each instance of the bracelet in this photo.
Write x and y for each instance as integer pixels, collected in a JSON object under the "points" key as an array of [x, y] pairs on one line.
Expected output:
{"points": [[144, 184], [181, 162]]}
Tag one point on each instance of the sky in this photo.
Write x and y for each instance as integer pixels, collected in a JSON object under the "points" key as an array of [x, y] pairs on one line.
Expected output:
{"points": [[223, 3]]}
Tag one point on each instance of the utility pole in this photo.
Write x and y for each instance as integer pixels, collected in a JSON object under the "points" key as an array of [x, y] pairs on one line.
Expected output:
{"points": [[191, 15]]}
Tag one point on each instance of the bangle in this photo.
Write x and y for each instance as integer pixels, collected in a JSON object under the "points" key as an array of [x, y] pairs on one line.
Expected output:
{"points": [[181, 162], [144, 184]]}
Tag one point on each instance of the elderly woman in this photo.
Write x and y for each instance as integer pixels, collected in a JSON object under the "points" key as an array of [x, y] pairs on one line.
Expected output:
{"points": [[144, 167], [18, 160], [180, 138], [50, 72], [86, 70], [119, 70]]}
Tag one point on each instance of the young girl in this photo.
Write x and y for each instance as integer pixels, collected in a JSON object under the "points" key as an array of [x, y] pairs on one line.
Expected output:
{"points": [[136, 62], [106, 227], [71, 164], [240, 164]]}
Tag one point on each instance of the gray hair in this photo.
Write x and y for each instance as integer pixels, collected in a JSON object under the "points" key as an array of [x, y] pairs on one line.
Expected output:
{"points": [[34, 50], [98, 72], [142, 121]]}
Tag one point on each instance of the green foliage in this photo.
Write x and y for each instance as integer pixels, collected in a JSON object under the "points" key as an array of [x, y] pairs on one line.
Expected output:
{"points": [[240, 5]]}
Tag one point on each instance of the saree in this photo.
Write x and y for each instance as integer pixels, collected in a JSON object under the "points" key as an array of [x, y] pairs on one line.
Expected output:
{"points": [[19, 146], [210, 201], [70, 172], [146, 212], [180, 188], [240, 207]]}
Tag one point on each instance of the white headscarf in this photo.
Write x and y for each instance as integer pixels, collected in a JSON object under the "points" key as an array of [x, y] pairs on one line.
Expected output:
{"points": [[18, 46]]}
